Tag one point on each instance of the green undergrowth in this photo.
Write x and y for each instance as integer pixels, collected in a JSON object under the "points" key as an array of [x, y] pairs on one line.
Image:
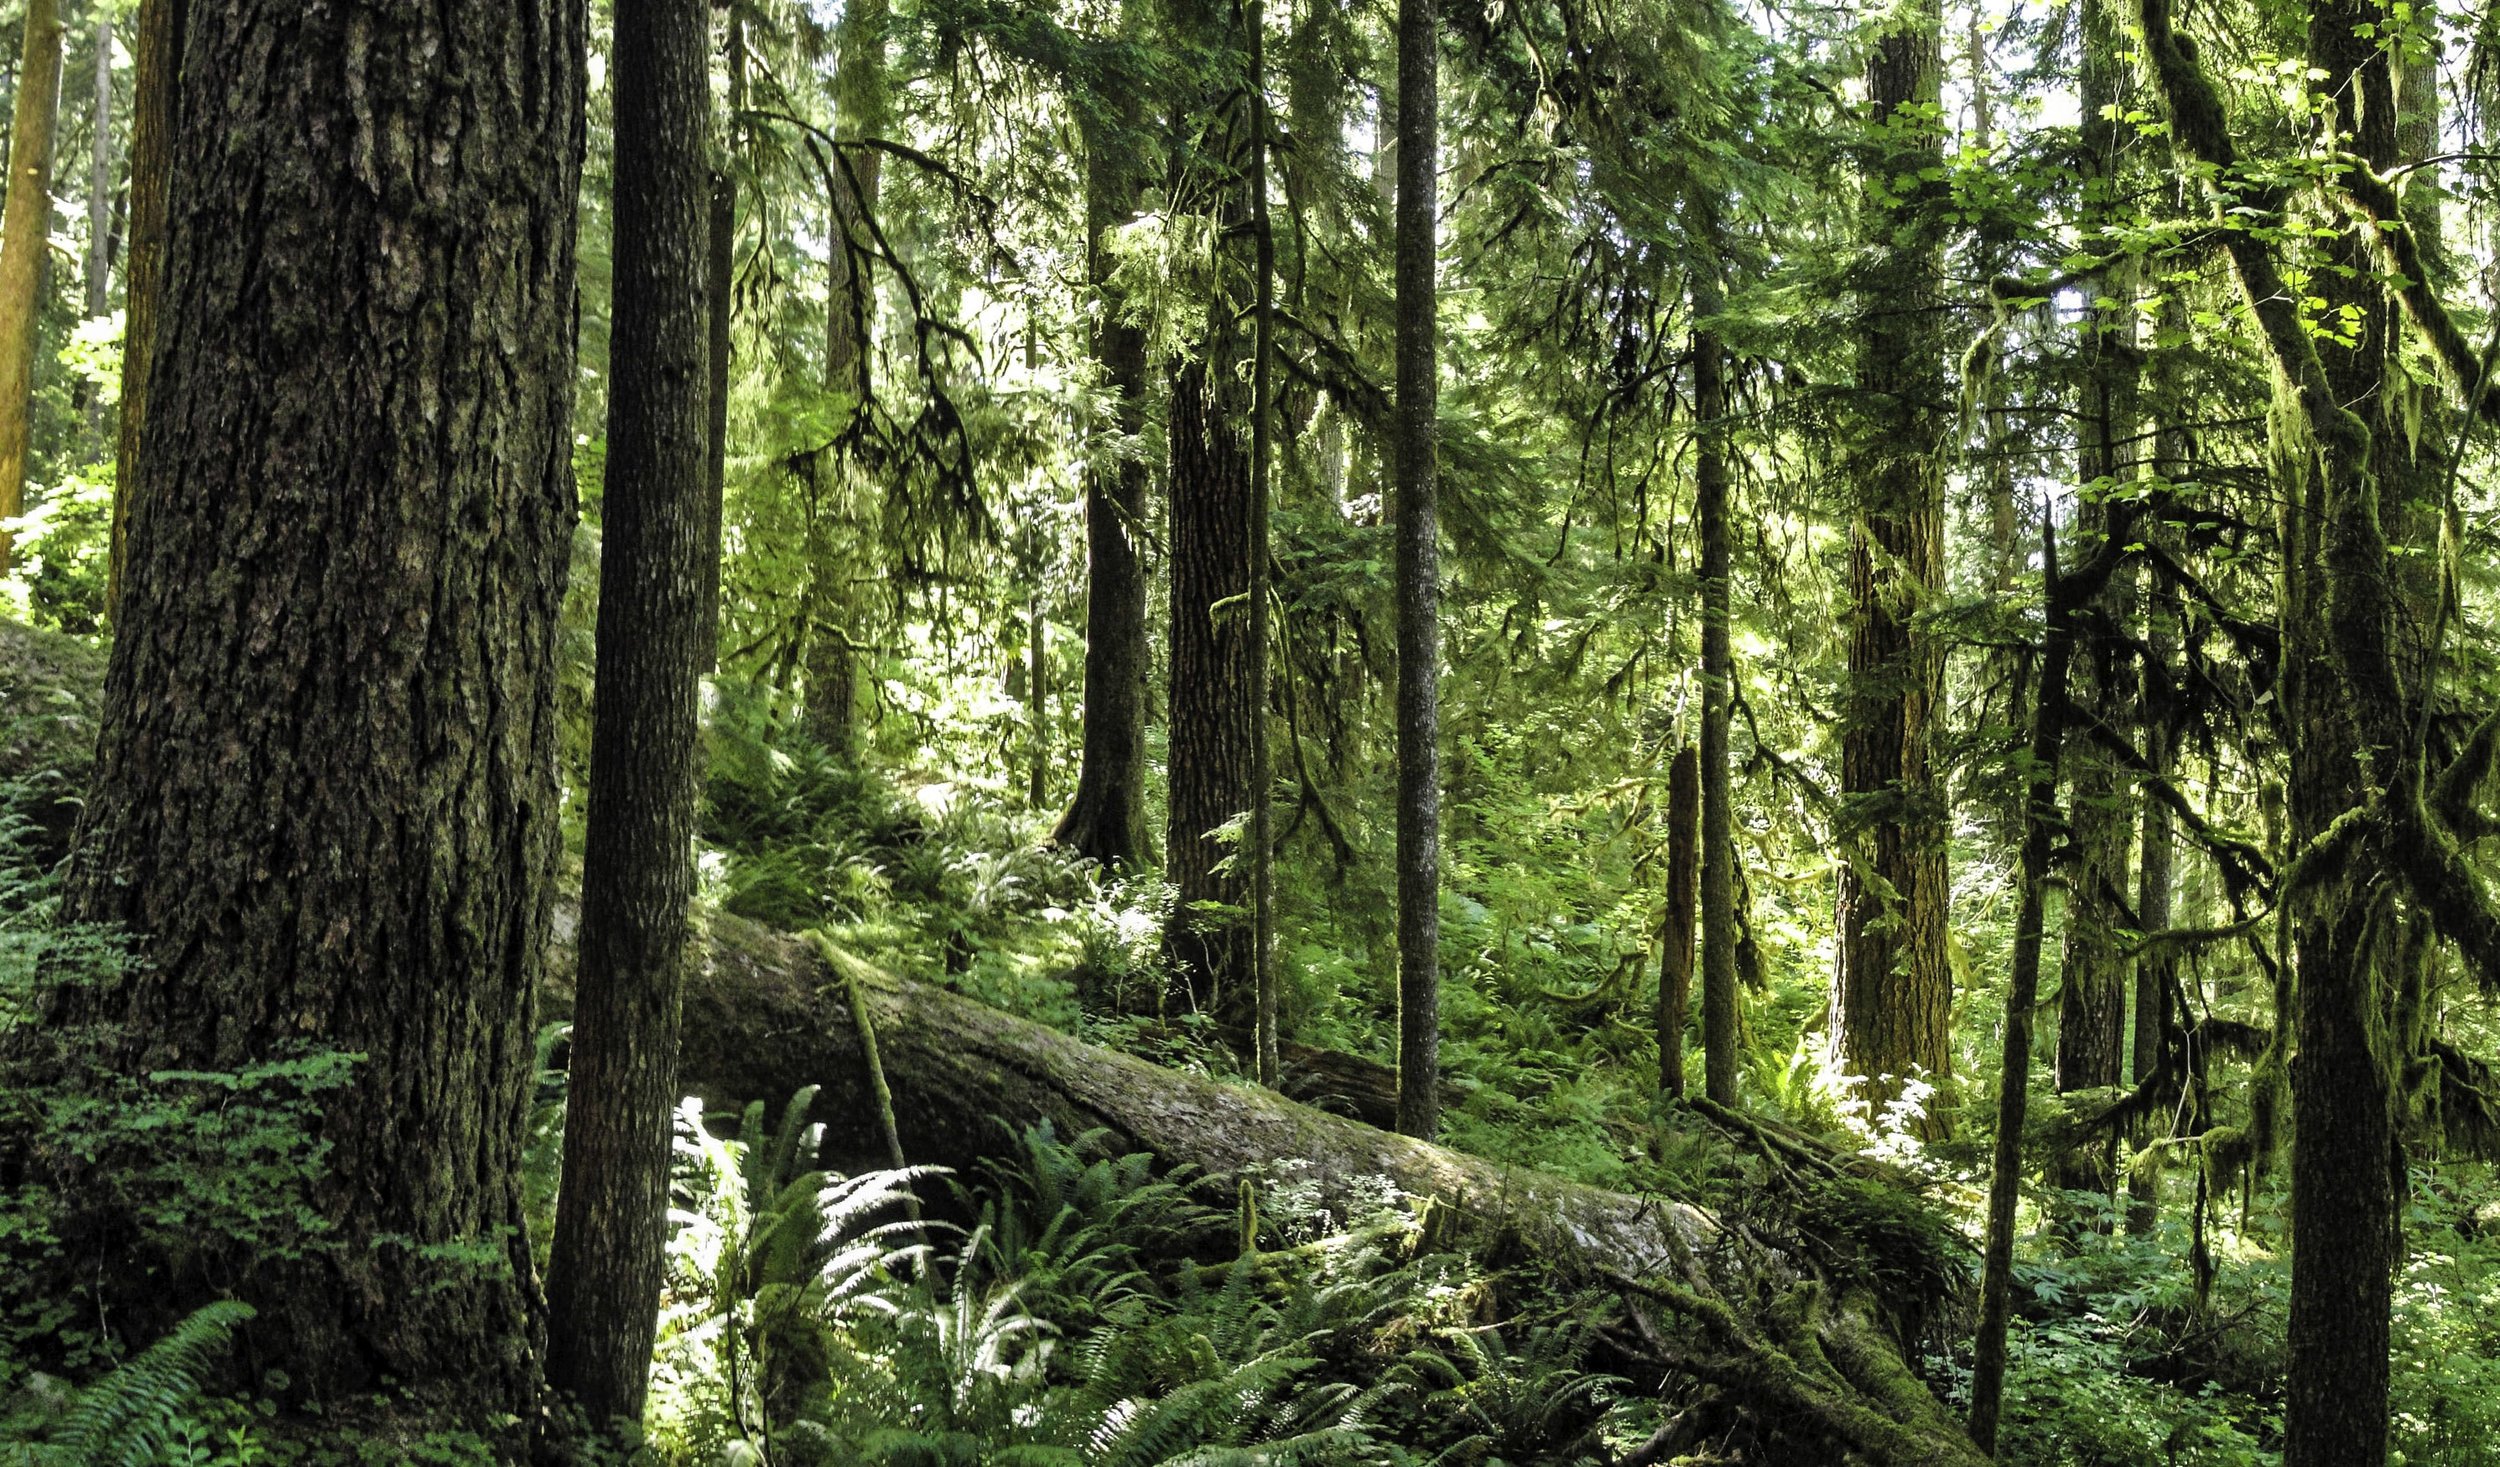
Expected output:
{"points": [[1069, 1307]]}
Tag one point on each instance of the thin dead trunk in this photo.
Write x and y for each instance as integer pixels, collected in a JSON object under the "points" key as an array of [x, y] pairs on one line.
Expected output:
{"points": [[100, 240], [1037, 690], [100, 174], [720, 271]]}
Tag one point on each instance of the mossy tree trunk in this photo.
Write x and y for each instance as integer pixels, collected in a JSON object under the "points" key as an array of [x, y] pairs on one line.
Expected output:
{"points": [[324, 796], [2356, 793], [1892, 990]]}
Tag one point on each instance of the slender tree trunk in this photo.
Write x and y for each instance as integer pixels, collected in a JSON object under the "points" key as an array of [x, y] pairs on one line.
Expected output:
{"points": [[2092, 978], [1675, 935], [720, 286], [861, 108], [100, 174], [100, 232], [324, 795], [1719, 1015], [2022, 998], [101, 223], [604, 1275], [2156, 971], [1892, 991], [1418, 570], [1262, 831], [155, 93], [720, 275], [1105, 820], [1037, 688], [26, 246]]}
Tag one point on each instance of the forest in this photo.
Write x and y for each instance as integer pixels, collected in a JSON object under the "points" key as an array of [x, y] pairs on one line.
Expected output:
{"points": [[1228, 733]]}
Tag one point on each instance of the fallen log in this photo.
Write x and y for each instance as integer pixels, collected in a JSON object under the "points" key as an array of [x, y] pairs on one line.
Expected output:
{"points": [[1807, 1366]]}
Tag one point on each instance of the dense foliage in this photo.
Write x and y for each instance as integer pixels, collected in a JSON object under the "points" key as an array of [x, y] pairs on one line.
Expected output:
{"points": [[2096, 395]]}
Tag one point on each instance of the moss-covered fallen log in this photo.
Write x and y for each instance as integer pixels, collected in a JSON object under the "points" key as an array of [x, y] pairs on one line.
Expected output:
{"points": [[1805, 1366]]}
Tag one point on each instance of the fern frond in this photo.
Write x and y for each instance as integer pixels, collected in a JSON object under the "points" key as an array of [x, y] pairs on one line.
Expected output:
{"points": [[123, 1419]]}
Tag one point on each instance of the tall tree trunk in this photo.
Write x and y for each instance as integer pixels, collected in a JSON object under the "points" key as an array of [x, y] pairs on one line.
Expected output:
{"points": [[155, 99], [1418, 570], [324, 795], [609, 1255], [1892, 991], [861, 108], [26, 246], [1719, 1030], [720, 273], [2344, 1221], [1675, 935], [1105, 819], [1261, 833], [2156, 971], [2092, 978]]}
